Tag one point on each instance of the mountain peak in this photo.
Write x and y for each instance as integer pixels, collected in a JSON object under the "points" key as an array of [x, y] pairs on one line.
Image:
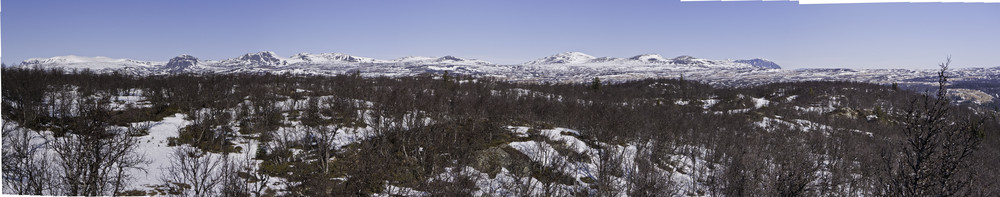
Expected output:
{"points": [[573, 53], [760, 63], [80, 62], [259, 59], [563, 58], [181, 62], [685, 59], [452, 58], [66, 59], [650, 57], [259, 55], [413, 59], [332, 57]]}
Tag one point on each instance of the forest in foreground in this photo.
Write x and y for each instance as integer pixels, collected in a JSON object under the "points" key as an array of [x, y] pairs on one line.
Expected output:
{"points": [[84, 133]]}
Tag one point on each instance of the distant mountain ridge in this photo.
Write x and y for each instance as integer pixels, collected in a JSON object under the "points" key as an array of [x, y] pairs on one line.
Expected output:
{"points": [[562, 67], [333, 63]]}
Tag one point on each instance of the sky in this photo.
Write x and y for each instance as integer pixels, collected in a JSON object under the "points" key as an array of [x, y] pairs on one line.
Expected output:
{"points": [[871, 35]]}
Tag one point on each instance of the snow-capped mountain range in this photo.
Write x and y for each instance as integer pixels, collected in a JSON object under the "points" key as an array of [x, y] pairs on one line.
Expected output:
{"points": [[562, 67], [338, 63]]}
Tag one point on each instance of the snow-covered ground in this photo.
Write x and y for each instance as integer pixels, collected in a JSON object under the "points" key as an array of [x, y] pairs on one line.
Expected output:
{"points": [[155, 148]]}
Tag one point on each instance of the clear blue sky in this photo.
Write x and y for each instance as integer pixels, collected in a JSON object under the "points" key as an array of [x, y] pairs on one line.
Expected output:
{"points": [[896, 35]]}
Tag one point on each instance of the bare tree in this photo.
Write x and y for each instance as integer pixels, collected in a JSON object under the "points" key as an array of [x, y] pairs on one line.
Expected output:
{"points": [[549, 161], [256, 179], [793, 171], [241, 176], [934, 156], [26, 169], [326, 136], [646, 179], [231, 184], [194, 171], [609, 163], [95, 157]]}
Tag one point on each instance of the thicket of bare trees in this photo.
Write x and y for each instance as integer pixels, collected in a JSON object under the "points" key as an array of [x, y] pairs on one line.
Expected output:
{"points": [[934, 157], [26, 164], [822, 139], [87, 148]]}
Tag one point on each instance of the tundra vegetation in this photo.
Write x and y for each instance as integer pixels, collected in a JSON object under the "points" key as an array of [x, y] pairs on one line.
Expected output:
{"points": [[72, 133]]}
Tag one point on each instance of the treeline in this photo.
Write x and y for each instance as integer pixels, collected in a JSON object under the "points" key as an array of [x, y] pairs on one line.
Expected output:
{"points": [[862, 139]]}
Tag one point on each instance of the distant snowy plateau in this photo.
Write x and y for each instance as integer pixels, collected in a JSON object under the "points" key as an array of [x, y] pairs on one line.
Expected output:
{"points": [[563, 67]]}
